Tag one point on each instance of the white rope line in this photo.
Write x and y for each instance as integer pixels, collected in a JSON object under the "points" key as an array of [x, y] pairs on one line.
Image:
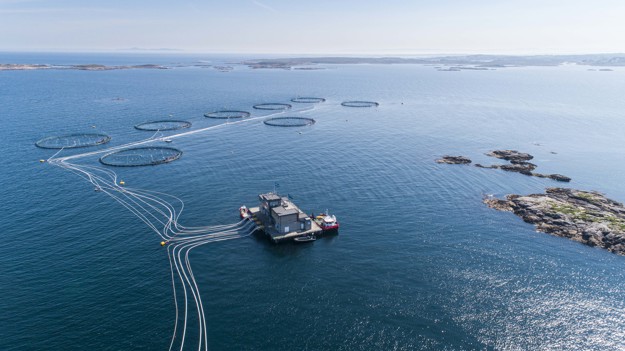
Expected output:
{"points": [[161, 213]]}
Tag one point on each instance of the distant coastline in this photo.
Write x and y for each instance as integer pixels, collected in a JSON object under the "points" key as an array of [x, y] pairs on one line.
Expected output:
{"points": [[98, 67], [599, 62], [89, 67], [451, 63]]}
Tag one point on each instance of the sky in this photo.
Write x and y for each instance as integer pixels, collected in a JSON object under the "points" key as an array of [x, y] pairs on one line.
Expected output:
{"points": [[370, 27]]}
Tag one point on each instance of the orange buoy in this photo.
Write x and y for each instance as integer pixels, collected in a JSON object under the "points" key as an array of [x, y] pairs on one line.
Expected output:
{"points": [[163, 243]]}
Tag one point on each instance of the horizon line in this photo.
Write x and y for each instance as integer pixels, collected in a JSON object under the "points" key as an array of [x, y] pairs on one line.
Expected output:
{"points": [[312, 54]]}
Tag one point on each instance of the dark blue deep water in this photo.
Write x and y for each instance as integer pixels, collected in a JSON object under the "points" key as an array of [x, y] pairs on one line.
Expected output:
{"points": [[419, 264]]}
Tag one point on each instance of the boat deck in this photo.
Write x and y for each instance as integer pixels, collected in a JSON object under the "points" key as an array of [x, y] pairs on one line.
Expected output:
{"points": [[264, 224]]}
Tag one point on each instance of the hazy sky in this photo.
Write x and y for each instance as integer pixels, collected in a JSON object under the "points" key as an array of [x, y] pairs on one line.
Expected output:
{"points": [[316, 27]]}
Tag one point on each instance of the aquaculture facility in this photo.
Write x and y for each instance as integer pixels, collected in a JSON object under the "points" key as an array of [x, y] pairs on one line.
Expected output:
{"points": [[281, 220]]}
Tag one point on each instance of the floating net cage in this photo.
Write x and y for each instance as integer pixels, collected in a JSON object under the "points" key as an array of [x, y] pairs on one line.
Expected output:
{"points": [[227, 114], [166, 124], [72, 141], [289, 121], [141, 156], [273, 106], [308, 100], [360, 104]]}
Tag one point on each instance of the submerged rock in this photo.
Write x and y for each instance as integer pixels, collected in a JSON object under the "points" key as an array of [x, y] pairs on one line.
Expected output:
{"points": [[453, 160], [559, 177], [523, 168], [584, 216]]}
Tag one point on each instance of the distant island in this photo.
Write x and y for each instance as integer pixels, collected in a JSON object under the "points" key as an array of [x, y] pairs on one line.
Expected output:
{"points": [[150, 49], [451, 63], [88, 67]]}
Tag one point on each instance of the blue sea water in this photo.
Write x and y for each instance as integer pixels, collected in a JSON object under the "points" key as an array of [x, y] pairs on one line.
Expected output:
{"points": [[419, 264]]}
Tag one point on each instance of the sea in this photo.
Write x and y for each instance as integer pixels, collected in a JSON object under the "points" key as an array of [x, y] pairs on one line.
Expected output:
{"points": [[419, 263]]}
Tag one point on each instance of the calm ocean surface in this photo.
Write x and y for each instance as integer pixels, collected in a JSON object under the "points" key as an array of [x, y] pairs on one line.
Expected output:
{"points": [[419, 264]]}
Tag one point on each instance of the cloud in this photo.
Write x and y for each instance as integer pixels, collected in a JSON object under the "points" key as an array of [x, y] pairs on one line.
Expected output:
{"points": [[265, 6]]}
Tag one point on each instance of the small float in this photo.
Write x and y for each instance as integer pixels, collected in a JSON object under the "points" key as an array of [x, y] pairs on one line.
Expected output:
{"points": [[305, 239]]}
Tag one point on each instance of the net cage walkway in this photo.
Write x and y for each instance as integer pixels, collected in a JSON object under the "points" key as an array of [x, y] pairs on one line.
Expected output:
{"points": [[308, 100], [289, 121], [357, 103], [225, 114], [273, 106], [73, 141], [162, 125], [141, 156]]}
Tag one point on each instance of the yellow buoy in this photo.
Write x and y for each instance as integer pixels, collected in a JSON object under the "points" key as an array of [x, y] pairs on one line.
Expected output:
{"points": [[121, 182], [163, 243], [42, 160]]}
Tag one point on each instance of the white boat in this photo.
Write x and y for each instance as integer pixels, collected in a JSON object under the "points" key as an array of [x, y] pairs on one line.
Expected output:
{"points": [[244, 212], [327, 222]]}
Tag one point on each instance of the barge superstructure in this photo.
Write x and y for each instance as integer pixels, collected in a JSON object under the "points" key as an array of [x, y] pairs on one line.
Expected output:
{"points": [[281, 220]]}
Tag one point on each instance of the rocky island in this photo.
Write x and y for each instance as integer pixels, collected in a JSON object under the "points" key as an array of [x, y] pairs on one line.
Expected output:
{"points": [[584, 216]]}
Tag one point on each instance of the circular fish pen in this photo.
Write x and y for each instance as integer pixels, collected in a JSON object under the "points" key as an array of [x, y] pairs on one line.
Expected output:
{"points": [[289, 121], [72, 141], [225, 114], [273, 106], [166, 124], [308, 100], [360, 104], [141, 156]]}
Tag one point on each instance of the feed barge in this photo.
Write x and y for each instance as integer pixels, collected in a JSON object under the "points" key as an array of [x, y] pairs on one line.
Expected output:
{"points": [[281, 220]]}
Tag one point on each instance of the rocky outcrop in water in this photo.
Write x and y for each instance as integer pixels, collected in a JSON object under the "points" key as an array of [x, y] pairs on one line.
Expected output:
{"points": [[558, 177], [584, 216], [520, 167], [519, 163], [453, 160]]}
